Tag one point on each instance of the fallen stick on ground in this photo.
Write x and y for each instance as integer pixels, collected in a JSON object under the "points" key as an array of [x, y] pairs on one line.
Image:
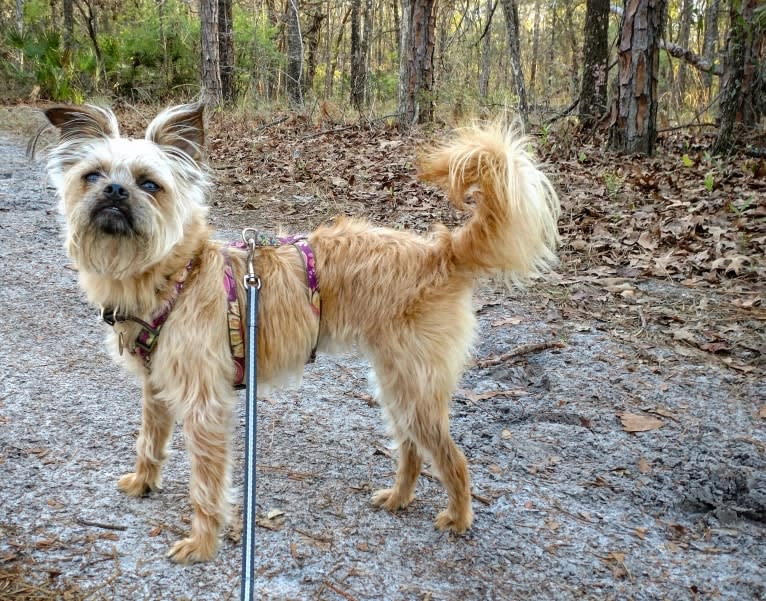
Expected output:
{"points": [[519, 351]]}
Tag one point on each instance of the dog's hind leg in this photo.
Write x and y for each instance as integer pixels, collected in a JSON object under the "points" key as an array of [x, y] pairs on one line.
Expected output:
{"points": [[206, 429], [403, 491], [151, 447], [451, 467], [416, 399]]}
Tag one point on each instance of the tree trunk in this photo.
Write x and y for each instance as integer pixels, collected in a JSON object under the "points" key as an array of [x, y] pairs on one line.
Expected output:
{"points": [[486, 50], [312, 36], [416, 64], [741, 85], [535, 49], [294, 56], [226, 50], [574, 49], [511, 12], [210, 64], [710, 41], [357, 56], [68, 26], [593, 93], [635, 125], [369, 15], [683, 41]]}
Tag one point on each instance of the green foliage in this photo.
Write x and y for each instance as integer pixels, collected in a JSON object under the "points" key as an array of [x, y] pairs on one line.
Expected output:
{"points": [[687, 162], [613, 184], [132, 54], [709, 183], [258, 59]]}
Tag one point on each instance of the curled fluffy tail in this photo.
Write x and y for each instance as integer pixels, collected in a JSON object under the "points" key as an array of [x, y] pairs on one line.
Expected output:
{"points": [[513, 229]]}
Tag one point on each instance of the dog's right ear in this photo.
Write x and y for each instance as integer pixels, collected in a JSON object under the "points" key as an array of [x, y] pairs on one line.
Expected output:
{"points": [[86, 121]]}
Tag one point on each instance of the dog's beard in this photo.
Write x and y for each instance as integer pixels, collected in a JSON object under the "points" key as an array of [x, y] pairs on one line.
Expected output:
{"points": [[118, 239]]}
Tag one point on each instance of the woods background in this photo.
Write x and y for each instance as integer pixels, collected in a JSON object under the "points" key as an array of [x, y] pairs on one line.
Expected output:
{"points": [[633, 67]]}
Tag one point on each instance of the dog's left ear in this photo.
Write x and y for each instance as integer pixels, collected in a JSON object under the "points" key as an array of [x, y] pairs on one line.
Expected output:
{"points": [[182, 127]]}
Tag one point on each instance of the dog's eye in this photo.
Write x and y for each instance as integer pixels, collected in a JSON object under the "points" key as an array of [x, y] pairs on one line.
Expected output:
{"points": [[92, 177], [149, 186]]}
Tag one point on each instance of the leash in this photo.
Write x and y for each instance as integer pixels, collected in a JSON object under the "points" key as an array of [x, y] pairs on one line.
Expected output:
{"points": [[252, 286]]}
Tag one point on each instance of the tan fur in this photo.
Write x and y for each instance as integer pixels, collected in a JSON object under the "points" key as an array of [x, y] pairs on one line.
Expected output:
{"points": [[404, 300]]}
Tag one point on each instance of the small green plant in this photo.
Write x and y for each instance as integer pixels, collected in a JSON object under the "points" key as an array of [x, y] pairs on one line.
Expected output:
{"points": [[582, 157], [687, 161], [709, 182], [738, 210], [613, 183], [545, 132]]}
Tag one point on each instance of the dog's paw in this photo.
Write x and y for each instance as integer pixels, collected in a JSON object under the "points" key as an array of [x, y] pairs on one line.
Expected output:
{"points": [[190, 550], [446, 520], [134, 485], [388, 498]]}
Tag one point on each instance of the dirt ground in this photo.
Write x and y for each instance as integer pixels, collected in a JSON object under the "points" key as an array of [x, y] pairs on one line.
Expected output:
{"points": [[569, 502]]}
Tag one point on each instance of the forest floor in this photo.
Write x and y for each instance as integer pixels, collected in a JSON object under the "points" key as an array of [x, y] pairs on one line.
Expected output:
{"points": [[620, 453]]}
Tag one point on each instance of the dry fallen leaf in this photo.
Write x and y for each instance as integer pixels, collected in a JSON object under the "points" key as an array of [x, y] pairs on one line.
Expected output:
{"points": [[506, 434], [762, 412], [156, 531], [644, 466], [639, 423], [640, 532]]}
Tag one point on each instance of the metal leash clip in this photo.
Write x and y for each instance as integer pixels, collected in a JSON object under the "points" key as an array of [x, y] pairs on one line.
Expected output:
{"points": [[249, 236]]}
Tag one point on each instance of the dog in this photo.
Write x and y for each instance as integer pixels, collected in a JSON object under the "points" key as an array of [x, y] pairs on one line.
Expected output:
{"points": [[136, 230]]}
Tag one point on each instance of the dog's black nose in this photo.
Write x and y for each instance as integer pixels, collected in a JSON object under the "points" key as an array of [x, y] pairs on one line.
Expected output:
{"points": [[115, 192]]}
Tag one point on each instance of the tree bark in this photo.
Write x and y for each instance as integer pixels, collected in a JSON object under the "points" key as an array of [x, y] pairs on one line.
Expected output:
{"points": [[710, 41], [210, 63], [416, 64], [357, 56], [535, 49], [312, 37], [593, 92], [369, 15], [635, 125], [226, 51], [294, 56], [68, 25], [511, 13], [683, 41], [741, 85]]}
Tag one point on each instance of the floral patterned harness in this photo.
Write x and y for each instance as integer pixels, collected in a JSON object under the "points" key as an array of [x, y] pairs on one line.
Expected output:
{"points": [[234, 313]]}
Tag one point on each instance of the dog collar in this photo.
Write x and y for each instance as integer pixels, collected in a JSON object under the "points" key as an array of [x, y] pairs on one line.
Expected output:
{"points": [[149, 332], [234, 314]]}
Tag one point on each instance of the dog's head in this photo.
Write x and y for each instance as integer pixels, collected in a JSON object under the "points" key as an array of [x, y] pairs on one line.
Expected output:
{"points": [[127, 202]]}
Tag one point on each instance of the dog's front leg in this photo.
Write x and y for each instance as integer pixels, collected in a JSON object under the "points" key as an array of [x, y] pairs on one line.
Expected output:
{"points": [[151, 447], [207, 433]]}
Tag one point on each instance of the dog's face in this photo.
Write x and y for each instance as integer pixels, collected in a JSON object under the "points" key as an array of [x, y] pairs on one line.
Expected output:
{"points": [[126, 201]]}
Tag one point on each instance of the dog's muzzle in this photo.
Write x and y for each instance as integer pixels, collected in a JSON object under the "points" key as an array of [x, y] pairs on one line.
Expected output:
{"points": [[112, 213]]}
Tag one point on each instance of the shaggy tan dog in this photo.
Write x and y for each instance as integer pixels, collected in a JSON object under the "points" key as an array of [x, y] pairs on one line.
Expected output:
{"points": [[135, 212]]}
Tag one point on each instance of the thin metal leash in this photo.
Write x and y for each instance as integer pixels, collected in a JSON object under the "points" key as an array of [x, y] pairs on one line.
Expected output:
{"points": [[252, 286]]}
